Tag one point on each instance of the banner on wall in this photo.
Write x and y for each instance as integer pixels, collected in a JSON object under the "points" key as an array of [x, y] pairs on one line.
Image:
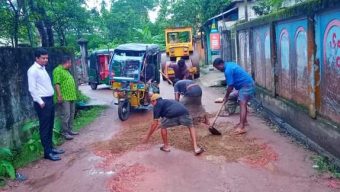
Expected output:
{"points": [[215, 41]]}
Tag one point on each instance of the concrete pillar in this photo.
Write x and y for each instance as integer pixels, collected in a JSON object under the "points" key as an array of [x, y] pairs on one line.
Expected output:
{"points": [[84, 66], [313, 69], [273, 52]]}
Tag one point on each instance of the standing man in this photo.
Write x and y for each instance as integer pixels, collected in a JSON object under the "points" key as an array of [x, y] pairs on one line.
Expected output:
{"points": [[148, 76], [41, 89], [66, 96], [238, 78], [148, 72], [173, 114], [192, 99]]}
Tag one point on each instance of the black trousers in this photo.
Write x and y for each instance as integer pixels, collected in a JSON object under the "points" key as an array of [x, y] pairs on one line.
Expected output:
{"points": [[46, 122]]}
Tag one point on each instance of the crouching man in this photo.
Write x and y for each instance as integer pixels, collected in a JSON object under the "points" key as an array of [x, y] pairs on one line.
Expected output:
{"points": [[172, 113], [192, 100]]}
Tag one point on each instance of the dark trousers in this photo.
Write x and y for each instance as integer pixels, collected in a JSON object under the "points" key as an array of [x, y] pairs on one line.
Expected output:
{"points": [[46, 122]]}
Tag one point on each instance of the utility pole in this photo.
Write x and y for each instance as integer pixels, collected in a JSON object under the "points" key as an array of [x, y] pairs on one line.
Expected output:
{"points": [[246, 10]]}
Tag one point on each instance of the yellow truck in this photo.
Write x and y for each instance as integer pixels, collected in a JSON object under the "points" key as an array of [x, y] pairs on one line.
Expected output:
{"points": [[179, 45]]}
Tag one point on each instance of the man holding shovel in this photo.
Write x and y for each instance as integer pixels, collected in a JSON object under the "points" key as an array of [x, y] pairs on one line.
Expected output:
{"points": [[172, 113], [238, 78]]}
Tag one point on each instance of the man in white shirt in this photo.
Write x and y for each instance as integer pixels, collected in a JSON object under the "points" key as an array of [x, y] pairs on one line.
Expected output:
{"points": [[41, 89]]}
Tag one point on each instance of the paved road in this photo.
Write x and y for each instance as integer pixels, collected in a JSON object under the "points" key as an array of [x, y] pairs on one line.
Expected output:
{"points": [[145, 168]]}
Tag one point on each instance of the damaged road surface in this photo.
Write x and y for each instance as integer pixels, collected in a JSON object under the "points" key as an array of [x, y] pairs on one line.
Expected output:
{"points": [[108, 156]]}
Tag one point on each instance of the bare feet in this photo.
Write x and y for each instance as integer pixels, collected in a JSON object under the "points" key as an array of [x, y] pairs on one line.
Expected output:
{"points": [[239, 124], [239, 131]]}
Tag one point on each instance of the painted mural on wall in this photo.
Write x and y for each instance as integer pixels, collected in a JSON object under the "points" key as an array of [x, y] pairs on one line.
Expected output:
{"points": [[260, 74], [262, 67], [284, 71], [284, 50], [292, 59], [330, 76], [267, 57], [301, 82], [244, 51]]}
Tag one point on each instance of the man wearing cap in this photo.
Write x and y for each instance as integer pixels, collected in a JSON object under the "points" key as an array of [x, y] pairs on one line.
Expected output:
{"points": [[172, 113], [238, 78]]}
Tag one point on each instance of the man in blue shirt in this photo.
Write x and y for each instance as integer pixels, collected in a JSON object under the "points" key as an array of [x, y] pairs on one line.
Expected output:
{"points": [[238, 78]]}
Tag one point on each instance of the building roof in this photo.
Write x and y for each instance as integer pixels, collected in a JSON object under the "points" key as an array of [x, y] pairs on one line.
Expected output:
{"points": [[220, 15], [138, 47]]}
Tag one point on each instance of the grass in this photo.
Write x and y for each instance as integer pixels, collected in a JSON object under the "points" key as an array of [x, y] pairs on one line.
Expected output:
{"points": [[323, 164], [82, 98], [85, 117], [32, 150]]}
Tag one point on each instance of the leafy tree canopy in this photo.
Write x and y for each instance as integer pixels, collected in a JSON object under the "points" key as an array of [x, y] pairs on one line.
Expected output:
{"points": [[61, 23]]}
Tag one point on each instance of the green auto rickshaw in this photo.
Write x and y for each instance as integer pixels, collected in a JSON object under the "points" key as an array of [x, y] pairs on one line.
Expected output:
{"points": [[135, 76], [98, 71]]}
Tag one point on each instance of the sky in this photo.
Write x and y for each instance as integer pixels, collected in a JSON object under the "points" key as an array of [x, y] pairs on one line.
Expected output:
{"points": [[96, 4]]}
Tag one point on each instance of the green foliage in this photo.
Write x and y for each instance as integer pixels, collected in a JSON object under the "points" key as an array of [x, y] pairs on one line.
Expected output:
{"points": [[32, 150], [262, 8], [30, 125], [6, 154], [57, 139], [323, 164], [85, 117], [6, 166], [125, 21], [81, 97], [7, 169], [302, 9], [191, 12]]}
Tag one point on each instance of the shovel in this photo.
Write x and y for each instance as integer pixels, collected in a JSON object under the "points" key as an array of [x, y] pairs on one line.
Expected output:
{"points": [[212, 129], [166, 77]]}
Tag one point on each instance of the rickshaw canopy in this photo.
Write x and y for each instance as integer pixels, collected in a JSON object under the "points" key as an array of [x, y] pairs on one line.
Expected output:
{"points": [[128, 61]]}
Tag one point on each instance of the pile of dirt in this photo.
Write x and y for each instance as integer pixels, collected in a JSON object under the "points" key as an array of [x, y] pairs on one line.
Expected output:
{"points": [[333, 183], [227, 146]]}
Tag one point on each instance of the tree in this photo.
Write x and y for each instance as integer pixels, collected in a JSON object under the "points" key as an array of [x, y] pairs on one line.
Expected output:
{"points": [[6, 22], [189, 12], [124, 17], [42, 22], [68, 17], [264, 7]]}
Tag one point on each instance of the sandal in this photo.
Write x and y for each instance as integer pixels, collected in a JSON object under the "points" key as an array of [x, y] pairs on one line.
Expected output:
{"points": [[200, 151], [163, 149]]}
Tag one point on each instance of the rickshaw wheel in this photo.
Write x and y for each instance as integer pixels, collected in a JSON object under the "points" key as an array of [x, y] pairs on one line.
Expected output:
{"points": [[123, 110], [93, 86]]}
